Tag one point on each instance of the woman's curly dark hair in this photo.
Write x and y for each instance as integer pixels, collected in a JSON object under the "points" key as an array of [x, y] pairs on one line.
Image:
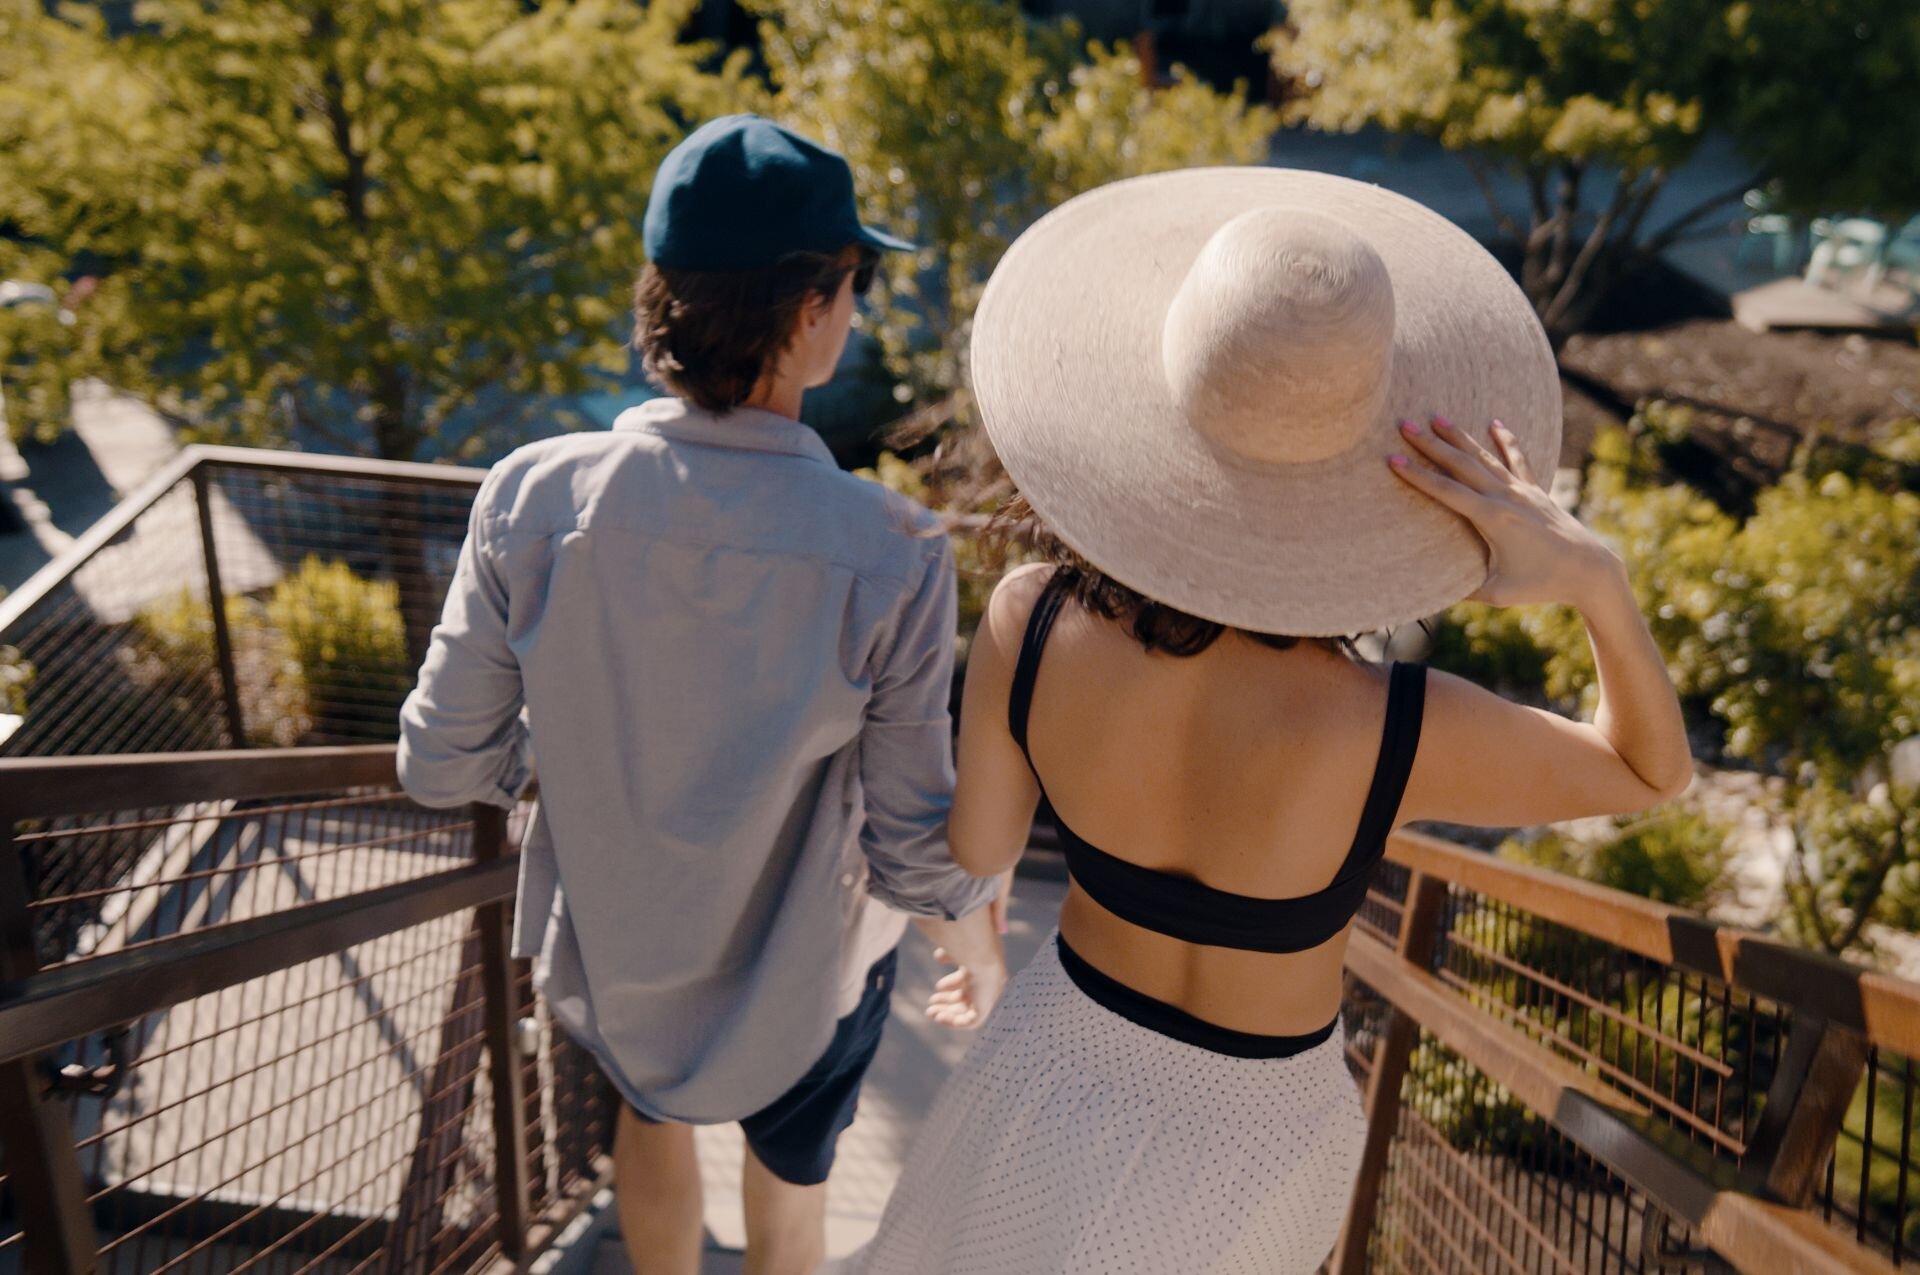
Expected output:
{"points": [[1155, 625]]}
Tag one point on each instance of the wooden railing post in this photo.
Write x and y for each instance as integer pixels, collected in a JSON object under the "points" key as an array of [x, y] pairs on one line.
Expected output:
{"points": [[1820, 1068], [501, 1011], [1419, 929], [217, 603], [36, 1137]]}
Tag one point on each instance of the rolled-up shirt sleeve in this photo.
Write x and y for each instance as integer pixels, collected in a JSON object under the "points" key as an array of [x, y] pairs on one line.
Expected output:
{"points": [[461, 735], [906, 758]]}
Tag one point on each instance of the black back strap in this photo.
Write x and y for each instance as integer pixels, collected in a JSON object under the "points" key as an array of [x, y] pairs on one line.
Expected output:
{"points": [[1039, 624], [1399, 739]]}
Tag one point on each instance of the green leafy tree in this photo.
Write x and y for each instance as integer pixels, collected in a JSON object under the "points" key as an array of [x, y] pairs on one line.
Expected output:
{"points": [[390, 226], [1797, 631], [964, 120], [1595, 104]]}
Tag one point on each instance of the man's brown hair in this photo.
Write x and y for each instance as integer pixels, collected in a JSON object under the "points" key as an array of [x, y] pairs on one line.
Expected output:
{"points": [[710, 337]]}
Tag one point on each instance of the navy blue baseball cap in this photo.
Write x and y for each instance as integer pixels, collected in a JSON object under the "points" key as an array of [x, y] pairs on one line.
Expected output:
{"points": [[741, 192]]}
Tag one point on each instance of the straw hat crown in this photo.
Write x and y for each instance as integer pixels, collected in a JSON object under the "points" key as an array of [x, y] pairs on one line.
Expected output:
{"points": [[1281, 307]]}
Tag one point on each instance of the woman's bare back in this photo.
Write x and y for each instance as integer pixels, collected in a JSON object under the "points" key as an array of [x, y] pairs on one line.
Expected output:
{"points": [[1243, 767]]}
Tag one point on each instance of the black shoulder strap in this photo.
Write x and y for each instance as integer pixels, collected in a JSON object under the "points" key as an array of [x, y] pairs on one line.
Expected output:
{"points": [[1399, 738], [1020, 698]]}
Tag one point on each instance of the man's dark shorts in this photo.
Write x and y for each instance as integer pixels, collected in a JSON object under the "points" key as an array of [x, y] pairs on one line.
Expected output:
{"points": [[795, 1135]]}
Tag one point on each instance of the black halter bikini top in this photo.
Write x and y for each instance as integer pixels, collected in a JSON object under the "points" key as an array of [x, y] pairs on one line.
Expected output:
{"points": [[1183, 908]]}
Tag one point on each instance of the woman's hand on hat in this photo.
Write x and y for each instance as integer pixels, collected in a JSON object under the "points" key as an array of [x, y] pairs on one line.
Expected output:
{"points": [[1537, 551]]}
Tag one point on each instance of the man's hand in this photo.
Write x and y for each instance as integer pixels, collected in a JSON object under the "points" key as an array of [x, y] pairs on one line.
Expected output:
{"points": [[964, 998]]}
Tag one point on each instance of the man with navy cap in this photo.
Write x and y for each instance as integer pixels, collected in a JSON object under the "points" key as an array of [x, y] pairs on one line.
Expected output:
{"points": [[734, 661]]}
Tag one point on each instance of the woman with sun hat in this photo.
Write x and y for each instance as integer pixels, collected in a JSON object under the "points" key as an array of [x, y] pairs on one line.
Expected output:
{"points": [[1250, 413]]}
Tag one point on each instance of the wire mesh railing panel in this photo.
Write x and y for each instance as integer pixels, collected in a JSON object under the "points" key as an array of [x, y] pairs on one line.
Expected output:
{"points": [[310, 1120], [1691, 1049], [331, 581], [105, 882], [1381, 911], [333, 585], [1478, 1185], [570, 1115], [120, 656], [1870, 1185], [1364, 1015]]}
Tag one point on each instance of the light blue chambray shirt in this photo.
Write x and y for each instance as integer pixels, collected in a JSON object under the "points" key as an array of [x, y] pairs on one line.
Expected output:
{"points": [[735, 661]]}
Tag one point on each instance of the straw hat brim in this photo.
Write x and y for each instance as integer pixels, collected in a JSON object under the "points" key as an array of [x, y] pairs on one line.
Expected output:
{"points": [[1067, 371]]}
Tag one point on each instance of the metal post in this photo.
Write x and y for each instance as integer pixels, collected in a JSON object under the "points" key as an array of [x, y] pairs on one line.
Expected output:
{"points": [[217, 603], [1419, 928], [501, 1013], [36, 1137]]}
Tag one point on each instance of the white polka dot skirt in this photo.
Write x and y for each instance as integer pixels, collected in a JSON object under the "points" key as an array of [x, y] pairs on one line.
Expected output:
{"points": [[1072, 1141]]}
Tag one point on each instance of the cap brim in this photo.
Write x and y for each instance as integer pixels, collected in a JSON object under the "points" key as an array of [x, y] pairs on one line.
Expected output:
{"points": [[1067, 372], [885, 242]]}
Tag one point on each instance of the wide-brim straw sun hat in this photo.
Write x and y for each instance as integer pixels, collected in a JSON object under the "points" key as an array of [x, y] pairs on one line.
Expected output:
{"points": [[1195, 378]]}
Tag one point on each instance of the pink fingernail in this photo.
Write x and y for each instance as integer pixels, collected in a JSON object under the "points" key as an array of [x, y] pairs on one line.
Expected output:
{"points": [[1441, 422], [1409, 428], [1397, 461]]}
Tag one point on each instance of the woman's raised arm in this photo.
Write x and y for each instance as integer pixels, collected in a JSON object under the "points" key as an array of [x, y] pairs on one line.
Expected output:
{"points": [[1485, 760]]}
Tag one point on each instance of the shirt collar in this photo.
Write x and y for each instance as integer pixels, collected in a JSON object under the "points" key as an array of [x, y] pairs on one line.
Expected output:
{"points": [[742, 429]]}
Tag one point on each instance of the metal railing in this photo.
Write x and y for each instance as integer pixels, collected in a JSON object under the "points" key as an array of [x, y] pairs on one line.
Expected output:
{"points": [[331, 572], [252, 1002], [1561, 1077], [257, 1014], [253, 1005]]}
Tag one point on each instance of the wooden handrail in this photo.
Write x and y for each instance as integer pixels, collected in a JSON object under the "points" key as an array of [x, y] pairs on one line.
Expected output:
{"points": [[1885, 1008], [41, 787], [53, 1006]]}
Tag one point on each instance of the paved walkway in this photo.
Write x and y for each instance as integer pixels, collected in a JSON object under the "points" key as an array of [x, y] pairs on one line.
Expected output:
{"points": [[55, 491], [914, 1058]]}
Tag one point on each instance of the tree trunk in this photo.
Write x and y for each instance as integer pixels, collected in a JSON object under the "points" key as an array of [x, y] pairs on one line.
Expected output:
{"points": [[402, 530]]}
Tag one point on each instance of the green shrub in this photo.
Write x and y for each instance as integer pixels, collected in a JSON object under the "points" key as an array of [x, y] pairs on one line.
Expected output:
{"points": [[178, 630], [1472, 1113], [16, 674], [1489, 645], [1672, 856], [346, 637]]}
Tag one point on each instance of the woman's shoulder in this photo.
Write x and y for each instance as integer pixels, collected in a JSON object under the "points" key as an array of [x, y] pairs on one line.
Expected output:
{"points": [[1013, 600]]}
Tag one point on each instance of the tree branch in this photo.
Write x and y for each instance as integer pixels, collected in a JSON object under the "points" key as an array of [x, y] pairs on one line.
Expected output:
{"points": [[1665, 237], [1598, 241], [305, 420], [1566, 211], [1878, 869], [1537, 195], [352, 189], [1656, 182], [1501, 217], [1809, 901]]}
